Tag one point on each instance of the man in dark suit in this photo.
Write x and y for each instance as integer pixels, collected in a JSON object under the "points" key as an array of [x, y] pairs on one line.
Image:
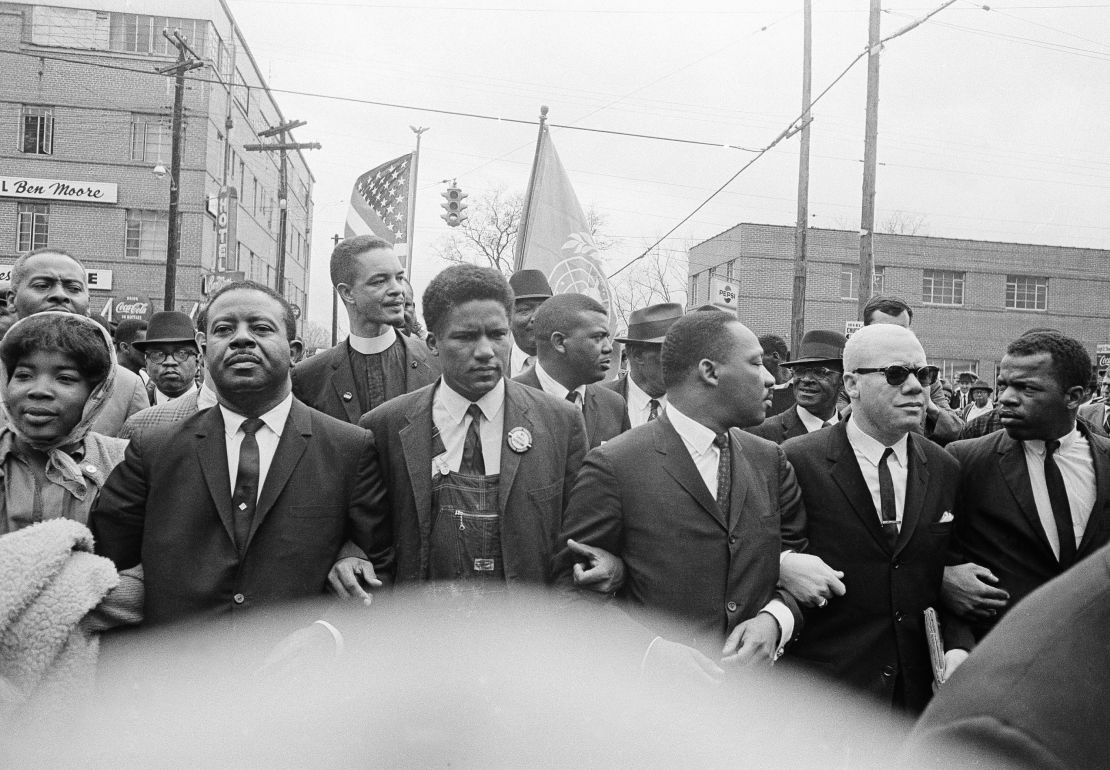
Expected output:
{"points": [[878, 501], [247, 503], [1097, 415], [775, 352], [696, 508], [573, 349], [816, 385], [1034, 498], [375, 363], [530, 290], [642, 388]]}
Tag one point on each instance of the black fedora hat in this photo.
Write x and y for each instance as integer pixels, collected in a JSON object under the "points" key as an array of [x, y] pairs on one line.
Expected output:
{"points": [[650, 324], [819, 345], [980, 385], [529, 284], [167, 326]]}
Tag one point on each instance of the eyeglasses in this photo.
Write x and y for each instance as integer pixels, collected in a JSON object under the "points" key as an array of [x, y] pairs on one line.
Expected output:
{"points": [[181, 355], [820, 372], [896, 374]]}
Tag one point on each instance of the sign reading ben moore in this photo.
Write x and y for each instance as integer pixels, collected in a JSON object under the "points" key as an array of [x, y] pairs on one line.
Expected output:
{"points": [[57, 190]]}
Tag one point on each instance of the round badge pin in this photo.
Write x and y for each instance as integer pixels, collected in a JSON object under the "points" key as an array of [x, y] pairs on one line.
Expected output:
{"points": [[520, 440]]}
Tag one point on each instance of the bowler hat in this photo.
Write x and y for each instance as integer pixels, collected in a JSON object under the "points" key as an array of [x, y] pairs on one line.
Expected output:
{"points": [[979, 385], [966, 377], [529, 284], [650, 324], [167, 326], [819, 345]]}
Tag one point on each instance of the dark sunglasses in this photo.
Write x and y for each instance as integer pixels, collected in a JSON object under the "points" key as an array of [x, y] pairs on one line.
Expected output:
{"points": [[896, 374]]}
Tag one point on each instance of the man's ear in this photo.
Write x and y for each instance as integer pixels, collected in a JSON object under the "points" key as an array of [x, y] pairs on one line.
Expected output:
{"points": [[200, 340], [558, 341], [1074, 396], [432, 344], [707, 372], [345, 293], [851, 384], [296, 348]]}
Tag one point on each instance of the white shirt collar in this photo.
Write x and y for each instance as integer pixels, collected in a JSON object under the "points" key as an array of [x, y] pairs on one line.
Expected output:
{"points": [[812, 421], [638, 397], [206, 398], [373, 345], [696, 435], [553, 387], [456, 404], [274, 419], [872, 449], [1066, 441]]}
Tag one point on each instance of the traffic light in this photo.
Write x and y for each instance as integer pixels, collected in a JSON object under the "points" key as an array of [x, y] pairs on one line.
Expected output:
{"points": [[454, 210]]}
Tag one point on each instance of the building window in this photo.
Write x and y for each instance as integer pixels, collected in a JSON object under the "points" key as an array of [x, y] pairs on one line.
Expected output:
{"points": [[950, 368], [693, 291], [139, 33], [34, 226], [1026, 292], [150, 138], [37, 130], [942, 287], [849, 281], [147, 233]]}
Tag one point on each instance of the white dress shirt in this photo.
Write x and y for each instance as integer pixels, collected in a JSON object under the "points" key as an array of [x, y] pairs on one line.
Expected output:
{"points": [[1077, 468], [267, 437], [370, 346], [868, 453], [206, 398], [450, 417], [549, 385], [518, 361], [977, 411], [639, 403], [698, 440], [812, 422]]}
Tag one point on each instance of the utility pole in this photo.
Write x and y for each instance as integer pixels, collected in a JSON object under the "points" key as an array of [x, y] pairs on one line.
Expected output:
{"points": [[870, 158], [334, 303], [801, 228], [410, 226], [186, 60], [283, 145]]}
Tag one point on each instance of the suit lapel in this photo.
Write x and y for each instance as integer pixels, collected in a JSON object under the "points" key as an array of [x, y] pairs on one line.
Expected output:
{"points": [[742, 473], [416, 447], [211, 452], [516, 416], [417, 372], [681, 467], [1099, 514], [591, 416], [293, 442], [1011, 463], [343, 382], [917, 487], [844, 469]]}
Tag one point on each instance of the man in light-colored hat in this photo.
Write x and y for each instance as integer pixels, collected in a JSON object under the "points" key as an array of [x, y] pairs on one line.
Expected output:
{"points": [[642, 388], [816, 385], [172, 356], [980, 404], [530, 290]]}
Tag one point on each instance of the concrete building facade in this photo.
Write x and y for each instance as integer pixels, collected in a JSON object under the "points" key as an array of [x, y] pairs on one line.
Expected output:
{"points": [[969, 298], [85, 123]]}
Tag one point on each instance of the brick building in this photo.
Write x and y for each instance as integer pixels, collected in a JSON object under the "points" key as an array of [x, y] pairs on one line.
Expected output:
{"points": [[85, 121], [970, 298]]}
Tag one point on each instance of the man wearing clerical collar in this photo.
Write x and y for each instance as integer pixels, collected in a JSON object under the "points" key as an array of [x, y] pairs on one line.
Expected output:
{"points": [[375, 363]]}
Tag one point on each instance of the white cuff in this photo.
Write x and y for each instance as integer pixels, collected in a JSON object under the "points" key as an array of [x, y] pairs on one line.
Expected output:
{"points": [[340, 648], [780, 612]]}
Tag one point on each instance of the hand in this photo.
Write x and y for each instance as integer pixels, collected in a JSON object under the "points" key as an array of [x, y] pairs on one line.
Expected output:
{"points": [[603, 572], [347, 577], [673, 659], [753, 642], [300, 650], [931, 409], [809, 579], [952, 661], [969, 591]]}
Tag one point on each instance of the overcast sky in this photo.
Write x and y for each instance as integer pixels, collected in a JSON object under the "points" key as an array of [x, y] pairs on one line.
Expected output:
{"points": [[992, 123]]}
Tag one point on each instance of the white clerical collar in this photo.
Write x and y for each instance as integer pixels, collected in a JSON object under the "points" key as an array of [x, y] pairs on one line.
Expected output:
{"points": [[370, 346], [555, 388], [812, 421], [457, 404], [692, 432], [873, 449], [275, 418]]}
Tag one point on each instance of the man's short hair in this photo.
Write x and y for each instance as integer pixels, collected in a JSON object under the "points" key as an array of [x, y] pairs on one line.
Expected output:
{"points": [[128, 330], [68, 334], [19, 269], [1071, 363], [459, 284], [773, 343], [690, 339], [342, 265], [286, 308], [563, 313], [886, 303]]}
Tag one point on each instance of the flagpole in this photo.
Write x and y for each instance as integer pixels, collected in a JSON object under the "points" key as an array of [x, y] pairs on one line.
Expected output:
{"points": [[522, 229], [410, 226]]}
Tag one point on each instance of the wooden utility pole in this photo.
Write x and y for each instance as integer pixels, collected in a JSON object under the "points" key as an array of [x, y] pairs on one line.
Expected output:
{"points": [[186, 60], [801, 229], [870, 158], [334, 303]]}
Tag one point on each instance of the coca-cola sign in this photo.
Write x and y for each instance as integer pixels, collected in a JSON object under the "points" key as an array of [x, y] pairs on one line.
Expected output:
{"points": [[135, 307]]}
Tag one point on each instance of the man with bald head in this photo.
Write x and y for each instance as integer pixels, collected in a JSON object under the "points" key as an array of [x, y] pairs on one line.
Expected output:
{"points": [[879, 500]]}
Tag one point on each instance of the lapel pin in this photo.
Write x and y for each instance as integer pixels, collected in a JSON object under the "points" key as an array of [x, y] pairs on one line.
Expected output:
{"points": [[520, 440], [348, 396]]}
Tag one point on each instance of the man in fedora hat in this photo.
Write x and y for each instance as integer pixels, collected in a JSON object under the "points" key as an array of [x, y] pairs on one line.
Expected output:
{"points": [[530, 290], [172, 356], [642, 388], [980, 404], [816, 385]]}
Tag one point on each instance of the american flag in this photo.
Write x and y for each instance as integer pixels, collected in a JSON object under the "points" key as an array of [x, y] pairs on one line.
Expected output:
{"points": [[380, 203]]}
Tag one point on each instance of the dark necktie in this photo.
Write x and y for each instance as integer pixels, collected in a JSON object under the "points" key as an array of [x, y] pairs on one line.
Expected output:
{"points": [[889, 506], [572, 396], [653, 409], [724, 473], [473, 462], [1061, 509], [245, 497]]}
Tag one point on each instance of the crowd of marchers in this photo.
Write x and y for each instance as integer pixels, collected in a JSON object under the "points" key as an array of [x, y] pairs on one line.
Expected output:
{"points": [[725, 503]]}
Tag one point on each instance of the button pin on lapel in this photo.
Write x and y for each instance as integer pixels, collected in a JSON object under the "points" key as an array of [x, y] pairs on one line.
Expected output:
{"points": [[348, 396], [413, 365]]}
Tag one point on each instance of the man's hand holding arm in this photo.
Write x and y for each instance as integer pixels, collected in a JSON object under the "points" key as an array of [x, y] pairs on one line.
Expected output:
{"points": [[971, 591], [809, 579]]}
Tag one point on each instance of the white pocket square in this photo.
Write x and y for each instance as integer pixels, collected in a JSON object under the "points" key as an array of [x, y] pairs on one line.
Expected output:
{"points": [[945, 517]]}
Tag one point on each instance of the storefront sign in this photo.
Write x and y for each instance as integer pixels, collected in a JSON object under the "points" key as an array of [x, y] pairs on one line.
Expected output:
{"points": [[227, 208], [95, 280], [132, 306], [58, 190]]}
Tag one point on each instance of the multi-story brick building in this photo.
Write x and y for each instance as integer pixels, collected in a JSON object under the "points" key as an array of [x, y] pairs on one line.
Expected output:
{"points": [[85, 144], [970, 298]]}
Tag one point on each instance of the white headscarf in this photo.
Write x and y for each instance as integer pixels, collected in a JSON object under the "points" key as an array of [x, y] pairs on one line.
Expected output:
{"points": [[61, 468]]}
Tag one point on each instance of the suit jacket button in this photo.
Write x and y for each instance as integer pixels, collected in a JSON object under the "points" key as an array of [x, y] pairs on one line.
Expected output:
{"points": [[348, 396], [898, 616], [731, 606], [732, 539], [897, 564], [888, 672], [238, 598]]}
